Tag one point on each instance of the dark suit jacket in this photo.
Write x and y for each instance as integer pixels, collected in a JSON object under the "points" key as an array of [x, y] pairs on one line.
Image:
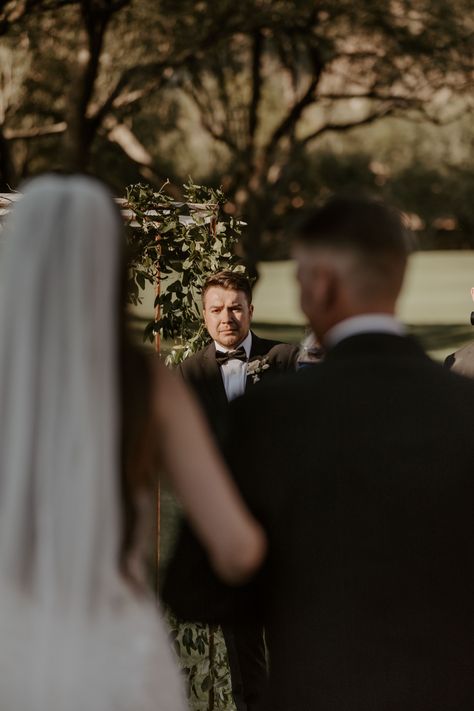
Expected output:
{"points": [[203, 374], [462, 361], [362, 471]]}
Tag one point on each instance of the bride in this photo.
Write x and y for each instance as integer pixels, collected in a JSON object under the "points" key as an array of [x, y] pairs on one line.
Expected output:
{"points": [[78, 629]]}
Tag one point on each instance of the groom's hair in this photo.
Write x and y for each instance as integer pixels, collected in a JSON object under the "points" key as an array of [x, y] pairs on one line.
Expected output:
{"points": [[228, 279]]}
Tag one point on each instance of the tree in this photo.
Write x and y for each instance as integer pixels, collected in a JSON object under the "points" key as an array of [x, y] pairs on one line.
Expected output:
{"points": [[294, 72], [126, 88], [89, 67]]}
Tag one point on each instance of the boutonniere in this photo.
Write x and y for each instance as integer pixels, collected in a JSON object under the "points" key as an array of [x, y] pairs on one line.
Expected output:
{"points": [[256, 367]]}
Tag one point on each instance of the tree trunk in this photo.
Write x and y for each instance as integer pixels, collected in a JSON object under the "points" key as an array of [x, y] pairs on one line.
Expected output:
{"points": [[7, 171], [81, 129], [257, 213]]}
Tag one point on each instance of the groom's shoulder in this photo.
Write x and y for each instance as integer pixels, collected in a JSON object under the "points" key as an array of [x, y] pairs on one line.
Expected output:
{"points": [[284, 354], [195, 362], [287, 391]]}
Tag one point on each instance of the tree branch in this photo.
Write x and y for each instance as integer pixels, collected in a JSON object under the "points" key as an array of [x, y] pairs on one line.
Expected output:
{"points": [[385, 111], [10, 17], [29, 133], [424, 116], [207, 122], [186, 55], [289, 122], [396, 98], [125, 80], [256, 87], [135, 151]]}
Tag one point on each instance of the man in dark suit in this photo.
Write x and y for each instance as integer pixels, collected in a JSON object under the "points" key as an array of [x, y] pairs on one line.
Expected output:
{"points": [[231, 364], [362, 471], [236, 358]]}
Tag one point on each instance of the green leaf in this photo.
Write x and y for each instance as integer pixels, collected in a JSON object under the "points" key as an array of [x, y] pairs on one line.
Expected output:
{"points": [[149, 332], [206, 683], [169, 226]]}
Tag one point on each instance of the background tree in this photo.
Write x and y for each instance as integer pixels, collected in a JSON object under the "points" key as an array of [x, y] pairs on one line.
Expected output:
{"points": [[251, 95], [89, 67], [295, 72]]}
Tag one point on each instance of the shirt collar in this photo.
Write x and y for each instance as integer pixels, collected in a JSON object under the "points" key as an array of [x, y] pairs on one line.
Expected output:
{"points": [[366, 323], [246, 344]]}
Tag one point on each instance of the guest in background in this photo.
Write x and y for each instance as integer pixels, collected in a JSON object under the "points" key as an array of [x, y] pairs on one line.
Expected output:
{"points": [[462, 361], [310, 351], [79, 408]]}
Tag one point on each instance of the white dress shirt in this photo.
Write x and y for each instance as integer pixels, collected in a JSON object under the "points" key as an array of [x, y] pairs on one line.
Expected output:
{"points": [[366, 323], [234, 372]]}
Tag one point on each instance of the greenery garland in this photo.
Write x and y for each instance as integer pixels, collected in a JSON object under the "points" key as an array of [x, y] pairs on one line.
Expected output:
{"points": [[179, 244]]}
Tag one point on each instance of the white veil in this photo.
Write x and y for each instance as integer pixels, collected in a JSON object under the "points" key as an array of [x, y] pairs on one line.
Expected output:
{"points": [[72, 634]]}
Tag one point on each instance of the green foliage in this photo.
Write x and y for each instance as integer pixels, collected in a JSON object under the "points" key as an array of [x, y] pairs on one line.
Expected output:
{"points": [[179, 244], [202, 656]]}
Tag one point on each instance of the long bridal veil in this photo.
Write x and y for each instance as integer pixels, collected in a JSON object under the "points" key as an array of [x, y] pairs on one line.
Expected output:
{"points": [[73, 636]]}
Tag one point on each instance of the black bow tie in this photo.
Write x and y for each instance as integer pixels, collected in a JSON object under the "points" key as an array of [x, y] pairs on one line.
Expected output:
{"points": [[224, 356]]}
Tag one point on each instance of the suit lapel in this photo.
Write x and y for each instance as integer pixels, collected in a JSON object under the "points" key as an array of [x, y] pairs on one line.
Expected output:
{"points": [[258, 348], [376, 344], [215, 390]]}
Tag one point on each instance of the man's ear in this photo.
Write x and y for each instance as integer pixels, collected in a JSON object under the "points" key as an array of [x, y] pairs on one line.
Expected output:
{"points": [[472, 293], [325, 286], [332, 287], [251, 310]]}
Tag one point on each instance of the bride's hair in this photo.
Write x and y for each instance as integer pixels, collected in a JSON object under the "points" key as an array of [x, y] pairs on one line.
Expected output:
{"points": [[139, 457], [73, 403]]}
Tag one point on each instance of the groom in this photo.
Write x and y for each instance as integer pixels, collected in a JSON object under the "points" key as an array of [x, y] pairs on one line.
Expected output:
{"points": [[230, 365], [236, 358]]}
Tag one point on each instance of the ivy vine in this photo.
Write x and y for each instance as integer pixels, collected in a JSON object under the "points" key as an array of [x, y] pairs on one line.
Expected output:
{"points": [[179, 243]]}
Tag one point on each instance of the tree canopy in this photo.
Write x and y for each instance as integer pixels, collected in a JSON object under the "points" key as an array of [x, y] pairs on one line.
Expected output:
{"points": [[263, 97]]}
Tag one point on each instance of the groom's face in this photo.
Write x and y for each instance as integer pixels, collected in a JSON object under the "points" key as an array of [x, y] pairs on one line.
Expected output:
{"points": [[227, 315]]}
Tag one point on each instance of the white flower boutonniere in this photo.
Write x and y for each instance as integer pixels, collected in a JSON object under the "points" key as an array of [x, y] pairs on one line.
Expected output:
{"points": [[256, 367]]}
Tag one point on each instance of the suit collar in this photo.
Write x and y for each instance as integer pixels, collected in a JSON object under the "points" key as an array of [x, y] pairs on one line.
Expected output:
{"points": [[209, 351], [214, 381], [364, 323], [376, 344], [259, 347]]}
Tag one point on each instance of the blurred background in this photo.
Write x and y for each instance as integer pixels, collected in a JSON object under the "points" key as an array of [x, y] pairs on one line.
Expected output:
{"points": [[280, 103]]}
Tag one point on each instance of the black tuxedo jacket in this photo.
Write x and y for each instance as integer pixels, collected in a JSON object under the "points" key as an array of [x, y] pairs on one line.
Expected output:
{"points": [[204, 375], [362, 472]]}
